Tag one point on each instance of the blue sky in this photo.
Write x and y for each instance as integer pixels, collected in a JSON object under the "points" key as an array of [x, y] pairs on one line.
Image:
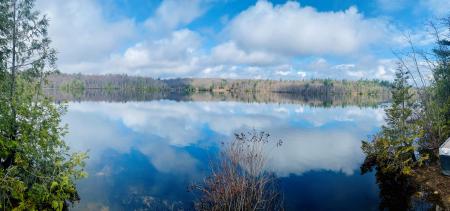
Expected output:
{"points": [[341, 39]]}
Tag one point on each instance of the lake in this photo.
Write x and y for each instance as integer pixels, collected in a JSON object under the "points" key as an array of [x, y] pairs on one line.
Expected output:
{"points": [[145, 154]]}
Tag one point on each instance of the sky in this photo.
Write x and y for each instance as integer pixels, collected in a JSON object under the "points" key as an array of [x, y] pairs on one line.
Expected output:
{"points": [[337, 39]]}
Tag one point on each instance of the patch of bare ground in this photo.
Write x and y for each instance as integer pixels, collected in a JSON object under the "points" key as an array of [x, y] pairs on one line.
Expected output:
{"points": [[435, 183]]}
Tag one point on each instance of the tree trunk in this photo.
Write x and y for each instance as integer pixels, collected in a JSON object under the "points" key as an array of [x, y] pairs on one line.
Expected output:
{"points": [[13, 77], [14, 130]]}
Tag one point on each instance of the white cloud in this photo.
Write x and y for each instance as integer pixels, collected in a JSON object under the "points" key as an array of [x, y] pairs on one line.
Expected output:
{"points": [[283, 73], [88, 42], [386, 69], [172, 14], [362, 68], [79, 31], [301, 74], [284, 70], [175, 53], [440, 8], [344, 66], [229, 53], [290, 29], [356, 74], [318, 64], [263, 41], [376, 69], [277, 71]]}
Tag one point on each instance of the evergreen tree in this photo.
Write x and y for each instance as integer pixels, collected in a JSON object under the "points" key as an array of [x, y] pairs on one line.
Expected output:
{"points": [[393, 149], [441, 86], [37, 172]]}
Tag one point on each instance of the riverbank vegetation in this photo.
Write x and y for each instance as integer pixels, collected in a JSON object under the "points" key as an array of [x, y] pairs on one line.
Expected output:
{"points": [[37, 172], [418, 120]]}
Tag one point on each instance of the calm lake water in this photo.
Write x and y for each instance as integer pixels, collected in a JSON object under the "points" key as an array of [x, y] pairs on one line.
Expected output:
{"points": [[144, 155]]}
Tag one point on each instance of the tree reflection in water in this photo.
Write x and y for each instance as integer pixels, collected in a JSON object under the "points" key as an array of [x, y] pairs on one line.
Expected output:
{"points": [[399, 192]]}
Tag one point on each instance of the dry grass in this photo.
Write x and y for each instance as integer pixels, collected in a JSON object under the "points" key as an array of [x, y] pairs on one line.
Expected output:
{"points": [[239, 181]]}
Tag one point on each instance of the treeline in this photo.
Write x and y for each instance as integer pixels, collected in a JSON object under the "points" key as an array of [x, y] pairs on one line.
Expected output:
{"points": [[313, 86], [71, 82], [123, 95], [110, 81]]}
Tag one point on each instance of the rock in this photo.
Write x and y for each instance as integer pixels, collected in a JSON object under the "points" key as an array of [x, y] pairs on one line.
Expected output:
{"points": [[436, 192]]}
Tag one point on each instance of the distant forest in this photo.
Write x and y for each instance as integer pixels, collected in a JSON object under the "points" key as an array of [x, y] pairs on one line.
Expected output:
{"points": [[118, 95], [76, 82]]}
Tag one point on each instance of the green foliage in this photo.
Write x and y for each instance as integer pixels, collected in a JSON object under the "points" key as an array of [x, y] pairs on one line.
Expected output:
{"points": [[74, 85], [190, 89], [434, 112], [328, 83], [37, 172], [441, 75], [75, 88], [41, 172], [393, 149], [418, 121]]}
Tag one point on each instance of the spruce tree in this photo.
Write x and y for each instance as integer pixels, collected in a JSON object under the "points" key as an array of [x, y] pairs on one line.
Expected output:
{"points": [[393, 149]]}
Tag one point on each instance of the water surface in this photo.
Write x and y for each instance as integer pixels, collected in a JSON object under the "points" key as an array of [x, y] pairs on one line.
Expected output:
{"points": [[144, 155]]}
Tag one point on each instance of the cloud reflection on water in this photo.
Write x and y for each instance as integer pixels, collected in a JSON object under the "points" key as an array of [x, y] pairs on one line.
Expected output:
{"points": [[314, 138], [144, 154]]}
